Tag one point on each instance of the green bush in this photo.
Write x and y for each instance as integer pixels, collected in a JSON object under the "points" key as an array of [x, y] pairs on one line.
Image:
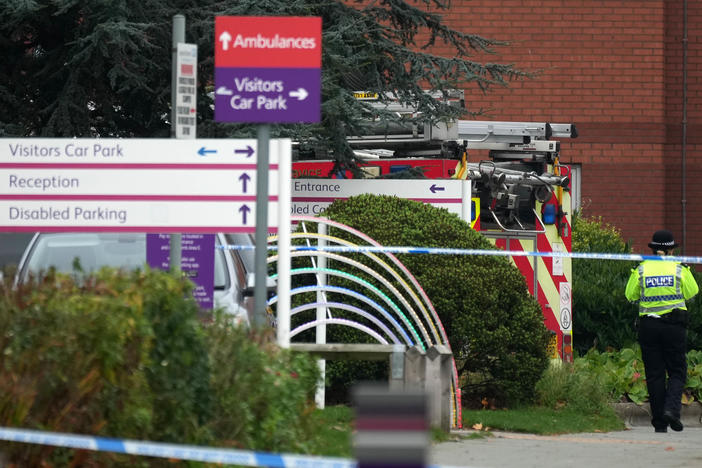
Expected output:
{"points": [[562, 386], [263, 395], [623, 375], [123, 355], [602, 316], [72, 360], [494, 326]]}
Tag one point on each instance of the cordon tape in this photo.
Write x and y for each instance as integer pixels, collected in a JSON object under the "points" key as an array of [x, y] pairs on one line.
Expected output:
{"points": [[498, 253], [175, 451]]}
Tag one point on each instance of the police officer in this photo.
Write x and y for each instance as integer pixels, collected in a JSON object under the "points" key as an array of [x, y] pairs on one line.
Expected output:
{"points": [[661, 288]]}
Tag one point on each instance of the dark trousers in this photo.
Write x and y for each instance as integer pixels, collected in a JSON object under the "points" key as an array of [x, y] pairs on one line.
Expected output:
{"points": [[663, 349]]}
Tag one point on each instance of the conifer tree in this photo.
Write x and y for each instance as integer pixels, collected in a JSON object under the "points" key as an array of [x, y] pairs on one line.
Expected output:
{"points": [[95, 68]]}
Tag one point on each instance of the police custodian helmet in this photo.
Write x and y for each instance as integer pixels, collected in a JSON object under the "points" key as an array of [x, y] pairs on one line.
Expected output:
{"points": [[662, 240]]}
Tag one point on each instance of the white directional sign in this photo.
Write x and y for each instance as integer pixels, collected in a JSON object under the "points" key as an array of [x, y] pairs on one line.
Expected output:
{"points": [[162, 151], [130, 215], [145, 185], [230, 181], [311, 196]]}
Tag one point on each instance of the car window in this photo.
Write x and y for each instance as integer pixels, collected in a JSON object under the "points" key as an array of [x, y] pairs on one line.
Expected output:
{"points": [[221, 278], [96, 250], [93, 251], [247, 256]]}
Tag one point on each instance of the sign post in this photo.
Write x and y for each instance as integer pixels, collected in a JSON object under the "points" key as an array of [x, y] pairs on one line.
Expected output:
{"points": [[267, 70], [178, 37]]}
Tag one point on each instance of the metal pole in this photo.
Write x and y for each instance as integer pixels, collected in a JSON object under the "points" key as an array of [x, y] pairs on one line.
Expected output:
{"points": [[321, 333], [284, 259], [261, 252], [683, 171], [178, 36]]}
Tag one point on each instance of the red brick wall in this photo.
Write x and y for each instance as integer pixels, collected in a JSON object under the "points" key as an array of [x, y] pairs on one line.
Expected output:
{"points": [[614, 68]]}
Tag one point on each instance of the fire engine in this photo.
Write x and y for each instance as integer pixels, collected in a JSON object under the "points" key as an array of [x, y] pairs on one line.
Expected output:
{"points": [[520, 199]]}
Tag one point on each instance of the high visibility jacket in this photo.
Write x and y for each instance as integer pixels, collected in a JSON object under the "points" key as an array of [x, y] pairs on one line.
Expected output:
{"points": [[660, 286]]}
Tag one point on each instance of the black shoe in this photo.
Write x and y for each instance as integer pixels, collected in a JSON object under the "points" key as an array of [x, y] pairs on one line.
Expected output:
{"points": [[661, 429], [673, 421]]}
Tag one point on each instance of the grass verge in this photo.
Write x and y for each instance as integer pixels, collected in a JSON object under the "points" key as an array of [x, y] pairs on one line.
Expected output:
{"points": [[544, 421], [335, 425]]}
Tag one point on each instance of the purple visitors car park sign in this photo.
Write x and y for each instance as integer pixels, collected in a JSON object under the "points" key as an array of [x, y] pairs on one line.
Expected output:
{"points": [[267, 69]]}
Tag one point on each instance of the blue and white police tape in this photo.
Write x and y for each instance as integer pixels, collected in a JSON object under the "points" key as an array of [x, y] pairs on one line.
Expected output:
{"points": [[175, 451], [498, 253]]}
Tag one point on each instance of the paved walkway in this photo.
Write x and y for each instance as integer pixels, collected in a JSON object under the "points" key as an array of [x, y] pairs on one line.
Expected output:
{"points": [[636, 446]]}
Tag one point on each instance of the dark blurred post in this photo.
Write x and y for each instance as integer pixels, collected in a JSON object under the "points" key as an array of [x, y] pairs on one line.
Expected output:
{"points": [[391, 427]]}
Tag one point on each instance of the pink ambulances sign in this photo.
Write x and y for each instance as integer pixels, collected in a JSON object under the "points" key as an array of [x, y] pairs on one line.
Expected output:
{"points": [[268, 69]]}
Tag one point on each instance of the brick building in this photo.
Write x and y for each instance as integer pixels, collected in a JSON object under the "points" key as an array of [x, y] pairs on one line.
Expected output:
{"points": [[618, 69]]}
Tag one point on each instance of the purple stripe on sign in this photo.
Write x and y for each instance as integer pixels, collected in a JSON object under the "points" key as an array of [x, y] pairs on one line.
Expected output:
{"points": [[283, 95]]}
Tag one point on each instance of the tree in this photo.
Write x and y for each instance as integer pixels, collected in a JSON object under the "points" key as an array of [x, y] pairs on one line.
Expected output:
{"points": [[94, 68]]}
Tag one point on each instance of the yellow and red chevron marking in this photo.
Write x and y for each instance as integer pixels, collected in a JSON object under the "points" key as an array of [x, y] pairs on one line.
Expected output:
{"points": [[553, 276]]}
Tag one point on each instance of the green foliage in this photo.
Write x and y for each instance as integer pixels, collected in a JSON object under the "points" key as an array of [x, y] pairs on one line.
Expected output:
{"points": [[694, 375], [72, 360], [545, 421], [694, 310], [621, 372], [602, 316], [561, 386], [123, 355], [262, 395], [179, 366], [623, 375], [494, 326], [100, 68]]}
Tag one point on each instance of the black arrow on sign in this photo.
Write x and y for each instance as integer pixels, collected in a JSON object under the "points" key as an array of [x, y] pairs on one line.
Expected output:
{"points": [[244, 211], [435, 189], [244, 178]]}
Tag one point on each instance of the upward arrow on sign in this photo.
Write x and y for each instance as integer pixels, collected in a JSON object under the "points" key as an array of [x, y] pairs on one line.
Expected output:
{"points": [[224, 38]]}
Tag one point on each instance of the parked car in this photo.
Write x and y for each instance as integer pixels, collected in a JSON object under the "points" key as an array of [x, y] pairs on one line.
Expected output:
{"points": [[233, 269]]}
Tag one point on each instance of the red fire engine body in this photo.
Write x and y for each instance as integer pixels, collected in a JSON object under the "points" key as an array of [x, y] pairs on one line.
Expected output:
{"points": [[520, 197]]}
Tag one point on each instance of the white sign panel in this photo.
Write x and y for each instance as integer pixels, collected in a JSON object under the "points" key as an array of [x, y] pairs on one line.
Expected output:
{"points": [[186, 91], [311, 196], [132, 215], [143, 185], [565, 300], [557, 262], [131, 151], [189, 182]]}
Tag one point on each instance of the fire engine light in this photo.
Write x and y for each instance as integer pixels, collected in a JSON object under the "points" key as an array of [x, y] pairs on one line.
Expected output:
{"points": [[549, 214]]}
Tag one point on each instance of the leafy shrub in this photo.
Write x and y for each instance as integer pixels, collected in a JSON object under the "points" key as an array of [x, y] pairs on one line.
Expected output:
{"points": [[623, 376], [561, 386], [263, 396], [621, 372], [123, 355], [694, 309], [494, 326], [72, 360], [602, 316]]}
